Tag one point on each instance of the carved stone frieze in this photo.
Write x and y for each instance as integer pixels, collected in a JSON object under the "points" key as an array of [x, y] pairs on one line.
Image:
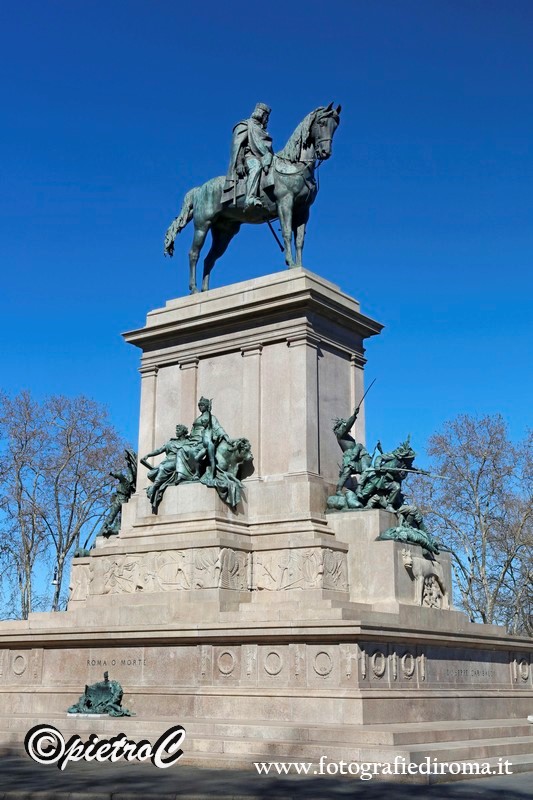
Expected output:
{"points": [[335, 570], [273, 662], [396, 665], [226, 662], [232, 569], [363, 663], [378, 662], [430, 588], [37, 665], [323, 663], [521, 669], [408, 665], [349, 656], [123, 574], [205, 568], [305, 568], [299, 659], [80, 578], [205, 660], [19, 663], [210, 568], [170, 570], [250, 659], [432, 596]]}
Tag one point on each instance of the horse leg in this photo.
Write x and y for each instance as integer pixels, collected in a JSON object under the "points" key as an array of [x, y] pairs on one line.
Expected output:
{"points": [[298, 229], [285, 217], [221, 237], [197, 243]]}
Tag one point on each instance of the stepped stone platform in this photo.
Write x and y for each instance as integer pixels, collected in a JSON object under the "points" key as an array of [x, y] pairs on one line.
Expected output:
{"points": [[273, 630], [235, 744]]}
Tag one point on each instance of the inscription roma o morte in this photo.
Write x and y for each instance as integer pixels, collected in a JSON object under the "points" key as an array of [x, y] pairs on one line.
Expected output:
{"points": [[113, 662]]}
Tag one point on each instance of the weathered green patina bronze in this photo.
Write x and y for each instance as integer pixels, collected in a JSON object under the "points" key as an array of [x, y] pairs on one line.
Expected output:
{"points": [[206, 455], [259, 187], [104, 697], [82, 552], [126, 487], [367, 482], [178, 465], [355, 456], [412, 530], [251, 156], [379, 484]]}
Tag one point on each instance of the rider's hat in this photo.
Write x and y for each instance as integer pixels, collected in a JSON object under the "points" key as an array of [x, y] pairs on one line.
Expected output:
{"points": [[262, 107]]}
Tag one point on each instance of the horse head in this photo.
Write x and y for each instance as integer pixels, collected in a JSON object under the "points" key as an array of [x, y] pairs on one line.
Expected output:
{"points": [[322, 129], [312, 138]]}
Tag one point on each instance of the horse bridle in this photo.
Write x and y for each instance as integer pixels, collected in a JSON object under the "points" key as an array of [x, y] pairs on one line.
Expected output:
{"points": [[309, 160]]}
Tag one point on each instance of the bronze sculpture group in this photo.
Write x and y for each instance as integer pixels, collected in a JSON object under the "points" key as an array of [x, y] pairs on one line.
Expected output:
{"points": [[260, 186], [206, 454], [103, 697], [127, 482], [367, 481], [375, 481]]}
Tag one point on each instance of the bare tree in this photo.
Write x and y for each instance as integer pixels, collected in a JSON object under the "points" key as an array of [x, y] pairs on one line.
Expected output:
{"points": [[22, 538], [54, 485], [484, 513]]}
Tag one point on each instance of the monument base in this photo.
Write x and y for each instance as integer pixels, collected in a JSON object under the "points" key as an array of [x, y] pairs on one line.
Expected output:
{"points": [[283, 673], [272, 630]]}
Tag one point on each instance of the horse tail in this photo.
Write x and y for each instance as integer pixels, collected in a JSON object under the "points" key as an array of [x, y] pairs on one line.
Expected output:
{"points": [[178, 224]]}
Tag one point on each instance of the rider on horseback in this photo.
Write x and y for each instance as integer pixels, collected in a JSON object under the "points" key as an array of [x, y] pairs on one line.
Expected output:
{"points": [[251, 153], [287, 191]]}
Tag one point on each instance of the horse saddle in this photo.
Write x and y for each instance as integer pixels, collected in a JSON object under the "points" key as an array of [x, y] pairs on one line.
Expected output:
{"points": [[234, 189]]}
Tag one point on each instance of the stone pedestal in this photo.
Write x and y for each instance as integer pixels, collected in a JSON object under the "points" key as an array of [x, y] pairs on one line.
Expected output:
{"points": [[273, 628], [280, 356], [386, 574]]}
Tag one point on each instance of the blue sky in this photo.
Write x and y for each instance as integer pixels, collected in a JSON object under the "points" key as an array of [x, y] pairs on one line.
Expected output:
{"points": [[113, 110]]}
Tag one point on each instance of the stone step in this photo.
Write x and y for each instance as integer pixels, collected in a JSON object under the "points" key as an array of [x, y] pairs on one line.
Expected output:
{"points": [[420, 733], [444, 731], [415, 741], [233, 744], [283, 750], [472, 748], [410, 734], [520, 763]]}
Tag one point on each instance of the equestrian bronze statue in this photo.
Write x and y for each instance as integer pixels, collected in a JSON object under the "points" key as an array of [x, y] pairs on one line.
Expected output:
{"points": [[260, 187]]}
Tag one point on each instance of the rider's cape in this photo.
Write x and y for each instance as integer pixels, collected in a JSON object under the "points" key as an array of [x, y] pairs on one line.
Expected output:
{"points": [[249, 139]]}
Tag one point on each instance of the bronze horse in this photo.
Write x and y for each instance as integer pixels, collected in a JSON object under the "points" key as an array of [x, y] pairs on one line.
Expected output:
{"points": [[292, 191]]}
